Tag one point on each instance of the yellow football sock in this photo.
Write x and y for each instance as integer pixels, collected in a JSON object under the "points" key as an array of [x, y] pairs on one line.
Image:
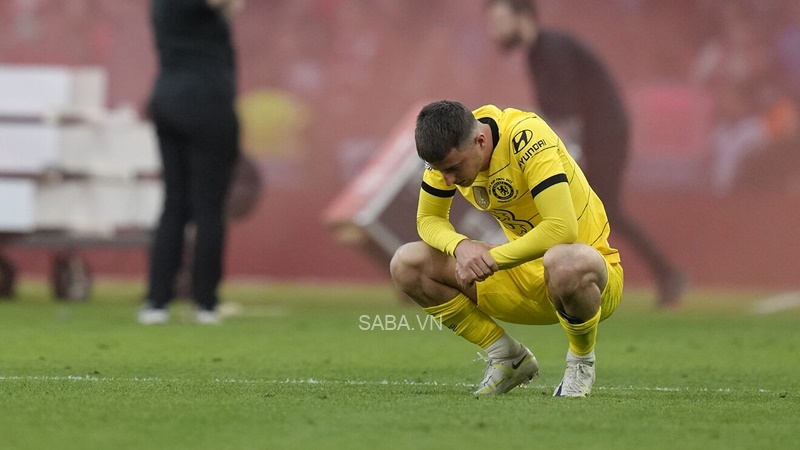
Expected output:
{"points": [[463, 317], [582, 336]]}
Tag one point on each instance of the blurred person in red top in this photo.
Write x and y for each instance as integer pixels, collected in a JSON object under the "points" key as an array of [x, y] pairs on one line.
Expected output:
{"points": [[577, 95]]}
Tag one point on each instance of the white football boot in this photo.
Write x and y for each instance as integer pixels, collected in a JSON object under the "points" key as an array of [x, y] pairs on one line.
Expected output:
{"points": [[578, 378], [502, 375], [152, 316], [206, 317]]}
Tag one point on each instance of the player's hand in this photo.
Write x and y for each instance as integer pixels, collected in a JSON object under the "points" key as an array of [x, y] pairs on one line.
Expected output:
{"points": [[473, 262]]}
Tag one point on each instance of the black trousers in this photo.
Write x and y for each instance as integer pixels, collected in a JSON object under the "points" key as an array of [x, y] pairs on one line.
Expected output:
{"points": [[606, 150], [199, 145]]}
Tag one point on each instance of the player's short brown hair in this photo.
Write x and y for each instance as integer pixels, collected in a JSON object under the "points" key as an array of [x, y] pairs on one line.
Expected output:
{"points": [[442, 126]]}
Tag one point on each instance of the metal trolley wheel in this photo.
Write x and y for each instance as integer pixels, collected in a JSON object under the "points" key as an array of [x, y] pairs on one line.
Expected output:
{"points": [[71, 277]]}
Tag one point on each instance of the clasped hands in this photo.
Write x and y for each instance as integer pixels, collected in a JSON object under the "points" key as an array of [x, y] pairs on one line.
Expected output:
{"points": [[473, 262]]}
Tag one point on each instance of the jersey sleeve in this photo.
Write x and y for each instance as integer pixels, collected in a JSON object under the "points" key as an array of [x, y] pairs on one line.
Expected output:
{"points": [[544, 173], [433, 214], [558, 226]]}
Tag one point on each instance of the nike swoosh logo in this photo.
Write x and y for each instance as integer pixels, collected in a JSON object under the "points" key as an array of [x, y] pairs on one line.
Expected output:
{"points": [[516, 365]]}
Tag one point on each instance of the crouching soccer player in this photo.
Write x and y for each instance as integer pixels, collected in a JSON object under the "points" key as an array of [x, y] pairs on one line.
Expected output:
{"points": [[557, 266]]}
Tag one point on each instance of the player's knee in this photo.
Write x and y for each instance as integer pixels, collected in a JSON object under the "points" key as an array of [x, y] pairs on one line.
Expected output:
{"points": [[562, 272], [559, 262], [570, 267], [407, 263]]}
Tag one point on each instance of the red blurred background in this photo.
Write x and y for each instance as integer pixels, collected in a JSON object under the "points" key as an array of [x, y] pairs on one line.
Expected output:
{"points": [[323, 82]]}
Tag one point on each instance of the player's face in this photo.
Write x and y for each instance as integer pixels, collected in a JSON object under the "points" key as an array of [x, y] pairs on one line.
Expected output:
{"points": [[461, 166], [504, 26]]}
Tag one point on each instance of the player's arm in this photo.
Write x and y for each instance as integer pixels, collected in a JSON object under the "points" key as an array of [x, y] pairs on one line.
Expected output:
{"points": [[433, 218], [559, 225], [435, 228]]}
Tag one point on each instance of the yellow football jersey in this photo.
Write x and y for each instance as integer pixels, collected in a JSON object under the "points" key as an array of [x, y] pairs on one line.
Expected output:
{"points": [[528, 158]]}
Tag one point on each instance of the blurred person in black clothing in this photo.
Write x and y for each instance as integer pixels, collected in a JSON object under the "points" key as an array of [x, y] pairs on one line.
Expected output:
{"points": [[193, 108], [577, 95]]}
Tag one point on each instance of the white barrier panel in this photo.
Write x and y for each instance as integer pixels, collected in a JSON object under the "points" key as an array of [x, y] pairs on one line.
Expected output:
{"points": [[18, 205], [36, 91], [119, 149]]}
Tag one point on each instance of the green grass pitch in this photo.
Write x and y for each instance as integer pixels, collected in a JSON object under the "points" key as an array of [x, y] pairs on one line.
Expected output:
{"points": [[311, 367]]}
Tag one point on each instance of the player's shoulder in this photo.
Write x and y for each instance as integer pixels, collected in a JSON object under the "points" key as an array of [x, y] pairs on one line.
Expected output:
{"points": [[488, 112], [504, 117], [514, 120]]}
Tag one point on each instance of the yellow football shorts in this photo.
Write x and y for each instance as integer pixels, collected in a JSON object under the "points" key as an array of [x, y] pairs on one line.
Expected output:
{"points": [[519, 294]]}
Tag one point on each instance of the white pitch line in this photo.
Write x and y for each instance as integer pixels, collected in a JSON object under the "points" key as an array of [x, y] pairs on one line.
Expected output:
{"points": [[316, 381], [778, 303]]}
